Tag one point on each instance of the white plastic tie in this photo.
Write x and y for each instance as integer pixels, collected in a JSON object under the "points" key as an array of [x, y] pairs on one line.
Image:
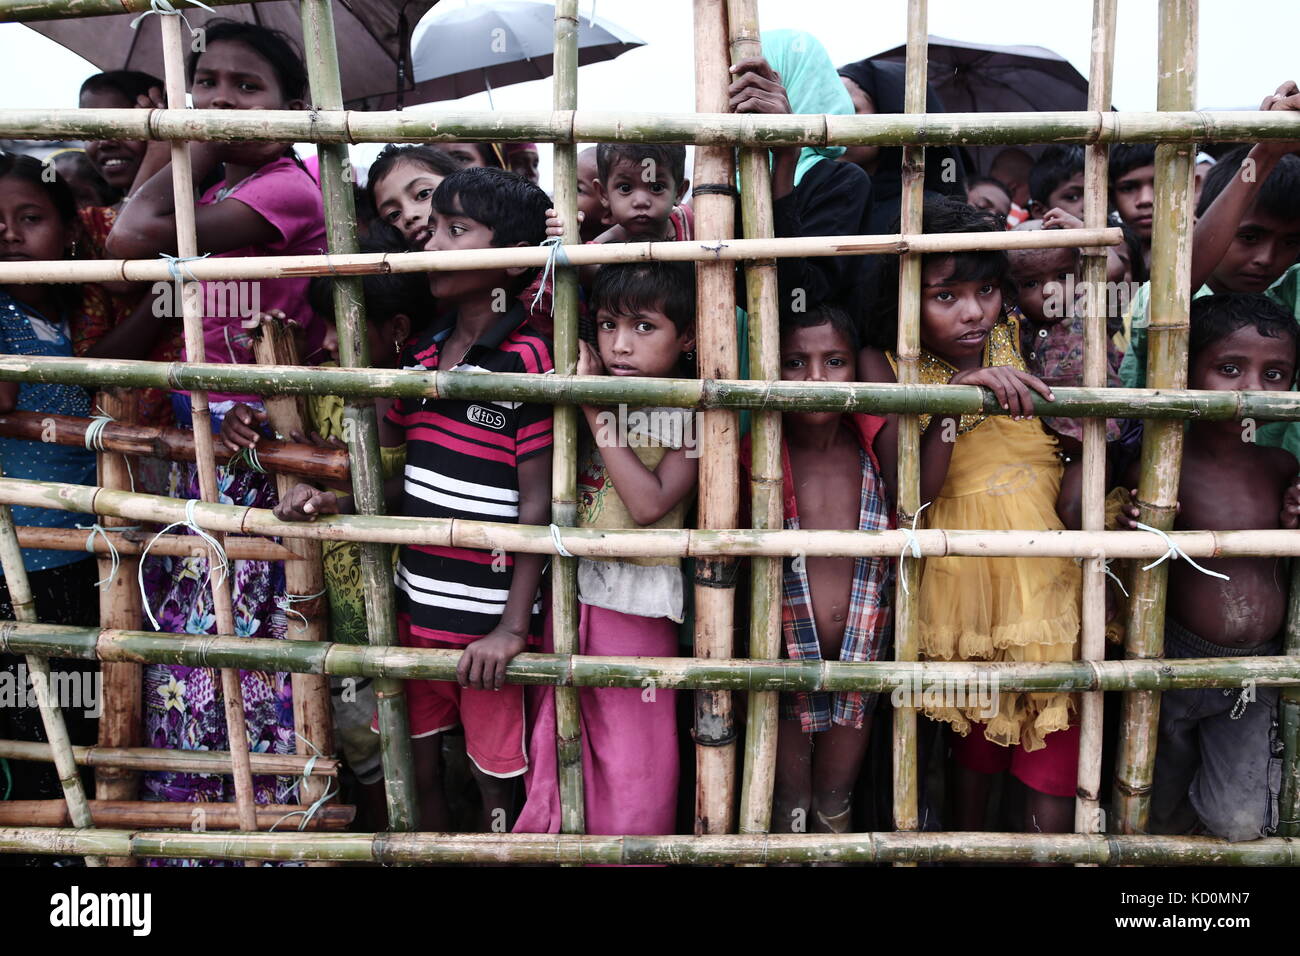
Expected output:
{"points": [[285, 603], [219, 571], [559, 545], [1174, 552], [911, 543], [165, 9], [556, 257]]}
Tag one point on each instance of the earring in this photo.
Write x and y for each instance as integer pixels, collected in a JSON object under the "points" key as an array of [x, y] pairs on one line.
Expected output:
{"points": [[690, 356], [72, 252], [397, 349]]}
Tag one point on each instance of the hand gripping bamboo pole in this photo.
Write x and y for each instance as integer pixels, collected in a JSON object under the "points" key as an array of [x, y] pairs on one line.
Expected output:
{"points": [[1087, 810], [304, 580], [232, 691], [906, 620], [765, 468], [23, 602], [564, 460], [1162, 442], [715, 578]]}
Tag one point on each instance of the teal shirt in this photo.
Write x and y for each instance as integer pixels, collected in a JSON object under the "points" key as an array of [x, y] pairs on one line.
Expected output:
{"points": [[1133, 371]]}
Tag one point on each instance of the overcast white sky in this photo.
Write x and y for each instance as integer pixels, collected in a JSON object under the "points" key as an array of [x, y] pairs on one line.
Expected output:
{"points": [[1247, 47]]}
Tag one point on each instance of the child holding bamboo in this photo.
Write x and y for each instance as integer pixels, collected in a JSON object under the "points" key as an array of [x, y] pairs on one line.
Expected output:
{"points": [[1218, 757], [480, 461], [640, 474], [998, 471], [266, 204], [831, 608]]}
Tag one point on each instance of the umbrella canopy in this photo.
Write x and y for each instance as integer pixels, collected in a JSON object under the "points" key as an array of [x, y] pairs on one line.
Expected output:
{"points": [[373, 39], [983, 78], [466, 50]]}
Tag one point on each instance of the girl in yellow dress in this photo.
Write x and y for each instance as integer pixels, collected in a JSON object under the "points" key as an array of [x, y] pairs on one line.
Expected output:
{"points": [[989, 473]]}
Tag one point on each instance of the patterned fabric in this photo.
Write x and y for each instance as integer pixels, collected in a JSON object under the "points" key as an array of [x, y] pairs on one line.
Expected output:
{"points": [[1002, 348], [1054, 352]]}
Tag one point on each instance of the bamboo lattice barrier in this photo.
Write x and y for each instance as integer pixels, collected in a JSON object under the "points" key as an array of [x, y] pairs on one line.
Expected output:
{"points": [[724, 31]]}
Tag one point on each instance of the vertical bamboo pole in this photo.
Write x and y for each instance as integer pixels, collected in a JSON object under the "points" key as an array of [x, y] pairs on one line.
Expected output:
{"points": [[303, 579], [205, 459], [1289, 721], [564, 461], [121, 722], [906, 622], [56, 731], [1162, 443], [1087, 809], [363, 435], [765, 470], [715, 578]]}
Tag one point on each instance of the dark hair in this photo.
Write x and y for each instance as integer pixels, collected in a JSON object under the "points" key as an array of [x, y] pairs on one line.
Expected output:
{"points": [[941, 214], [1126, 157], [988, 181], [1278, 196], [386, 294], [1136, 254], [432, 159], [825, 313], [1055, 165], [627, 287], [671, 158], [1215, 317], [31, 170], [130, 83], [273, 46], [512, 207]]}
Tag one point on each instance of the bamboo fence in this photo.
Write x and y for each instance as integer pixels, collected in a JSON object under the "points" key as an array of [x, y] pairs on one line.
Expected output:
{"points": [[724, 31]]}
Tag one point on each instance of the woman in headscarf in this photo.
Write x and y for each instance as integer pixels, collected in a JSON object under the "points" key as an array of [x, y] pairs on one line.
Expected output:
{"points": [[812, 195]]}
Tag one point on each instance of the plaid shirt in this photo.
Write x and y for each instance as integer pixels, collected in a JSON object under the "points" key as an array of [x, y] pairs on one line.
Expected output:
{"points": [[867, 627]]}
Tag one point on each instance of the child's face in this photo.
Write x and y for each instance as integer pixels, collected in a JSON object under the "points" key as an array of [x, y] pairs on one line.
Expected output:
{"points": [[821, 353], [1263, 248], [1245, 360], [645, 343], [1042, 279], [382, 336], [957, 317], [1067, 197], [459, 231], [639, 197], [116, 160], [403, 200], [467, 154], [588, 199], [1135, 198], [232, 76], [523, 162], [988, 197], [30, 227]]}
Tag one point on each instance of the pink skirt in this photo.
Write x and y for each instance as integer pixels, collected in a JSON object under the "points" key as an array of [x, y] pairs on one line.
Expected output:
{"points": [[629, 736]]}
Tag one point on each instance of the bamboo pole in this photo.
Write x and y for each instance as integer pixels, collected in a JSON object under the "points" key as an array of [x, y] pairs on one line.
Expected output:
{"points": [[1162, 442], [304, 580], [232, 691], [564, 458], [27, 11], [379, 263], [682, 542], [675, 673], [359, 413], [765, 467], [719, 502], [704, 128], [906, 619], [173, 444], [152, 758], [132, 543], [150, 813], [1092, 644], [1289, 721], [121, 721], [550, 849], [23, 603], [707, 393]]}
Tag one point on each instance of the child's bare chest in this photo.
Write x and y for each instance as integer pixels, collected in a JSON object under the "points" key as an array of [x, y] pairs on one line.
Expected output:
{"points": [[827, 487], [1215, 494]]}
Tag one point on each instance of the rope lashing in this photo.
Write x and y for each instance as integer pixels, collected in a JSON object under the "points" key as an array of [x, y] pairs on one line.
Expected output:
{"points": [[559, 545], [306, 772], [286, 601], [911, 543], [1174, 552], [94, 440], [165, 9], [221, 565], [114, 557], [556, 257]]}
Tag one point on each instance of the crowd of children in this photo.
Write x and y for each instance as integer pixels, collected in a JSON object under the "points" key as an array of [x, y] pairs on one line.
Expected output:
{"points": [[1008, 322]]}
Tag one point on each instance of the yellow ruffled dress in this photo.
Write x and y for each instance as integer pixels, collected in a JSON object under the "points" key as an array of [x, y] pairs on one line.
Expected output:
{"points": [[1003, 475]]}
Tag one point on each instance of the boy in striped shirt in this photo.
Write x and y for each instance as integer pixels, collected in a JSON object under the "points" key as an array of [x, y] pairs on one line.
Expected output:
{"points": [[479, 460]]}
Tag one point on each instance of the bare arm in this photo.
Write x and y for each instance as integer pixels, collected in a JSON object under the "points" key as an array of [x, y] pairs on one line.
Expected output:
{"points": [[648, 495]]}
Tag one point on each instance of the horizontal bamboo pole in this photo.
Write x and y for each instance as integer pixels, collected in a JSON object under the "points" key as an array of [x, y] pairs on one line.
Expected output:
{"points": [[151, 813], [368, 263], [911, 677], [134, 543], [173, 444], [876, 397], [28, 11], [882, 847], [642, 542], [701, 129], [180, 761]]}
